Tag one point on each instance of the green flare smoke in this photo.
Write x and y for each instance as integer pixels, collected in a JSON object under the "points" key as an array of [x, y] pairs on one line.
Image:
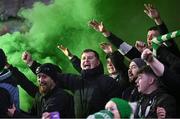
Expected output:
{"points": [[65, 22], [62, 22]]}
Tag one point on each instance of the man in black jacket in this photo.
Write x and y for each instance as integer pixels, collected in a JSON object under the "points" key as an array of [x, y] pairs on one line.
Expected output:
{"points": [[49, 97], [115, 64], [131, 94], [168, 75], [152, 96]]}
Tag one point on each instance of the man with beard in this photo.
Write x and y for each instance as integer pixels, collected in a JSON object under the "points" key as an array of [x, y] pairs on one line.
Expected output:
{"points": [[131, 94], [49, 98]]}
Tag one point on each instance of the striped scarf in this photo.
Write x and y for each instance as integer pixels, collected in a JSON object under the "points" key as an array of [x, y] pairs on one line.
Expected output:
{"points": [[157, 41]]}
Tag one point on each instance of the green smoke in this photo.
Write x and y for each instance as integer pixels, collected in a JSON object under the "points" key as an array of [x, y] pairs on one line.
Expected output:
{"points": [[65, 22], [62, 22]]}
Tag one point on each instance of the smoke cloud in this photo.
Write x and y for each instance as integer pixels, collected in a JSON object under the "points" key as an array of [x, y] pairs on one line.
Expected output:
{"points": [[65, 22]]}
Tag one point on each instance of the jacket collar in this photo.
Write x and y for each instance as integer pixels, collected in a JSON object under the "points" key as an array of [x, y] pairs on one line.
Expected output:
{"points": [[89, 73]]}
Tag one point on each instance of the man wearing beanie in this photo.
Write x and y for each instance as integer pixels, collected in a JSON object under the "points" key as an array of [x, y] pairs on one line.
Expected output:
{"points": [[131, 94], [50, 99]]}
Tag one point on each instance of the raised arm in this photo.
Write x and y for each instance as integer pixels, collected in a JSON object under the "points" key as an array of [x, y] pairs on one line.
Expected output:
{"points": [[66, 51], [27, 58], [168, 75], [76, 62], [99, 27], [106, 47], [153, 13], [156, 65], [123, 47], [23, 81], [140, 45]]}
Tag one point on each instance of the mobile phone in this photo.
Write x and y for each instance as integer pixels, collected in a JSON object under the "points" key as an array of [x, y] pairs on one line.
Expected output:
{"points": [[55, 115]]}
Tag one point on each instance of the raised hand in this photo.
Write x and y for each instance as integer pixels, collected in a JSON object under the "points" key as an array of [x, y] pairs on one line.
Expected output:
{"points": [[106, 47], [147, 55], [27, 58], [99, 27], [66, 51], [7, 65], [11, 111], [140, 45], [153, 13], [46, 115]]}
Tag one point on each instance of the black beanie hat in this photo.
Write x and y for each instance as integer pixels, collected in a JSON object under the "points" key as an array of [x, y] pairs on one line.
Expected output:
{"points": [[49, 69], [139, 62], [2, 59]]}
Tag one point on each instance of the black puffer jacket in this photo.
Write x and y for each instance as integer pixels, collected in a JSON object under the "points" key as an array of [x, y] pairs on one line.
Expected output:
{"points": [[56, 100], [92, 89], [118, 62]]}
